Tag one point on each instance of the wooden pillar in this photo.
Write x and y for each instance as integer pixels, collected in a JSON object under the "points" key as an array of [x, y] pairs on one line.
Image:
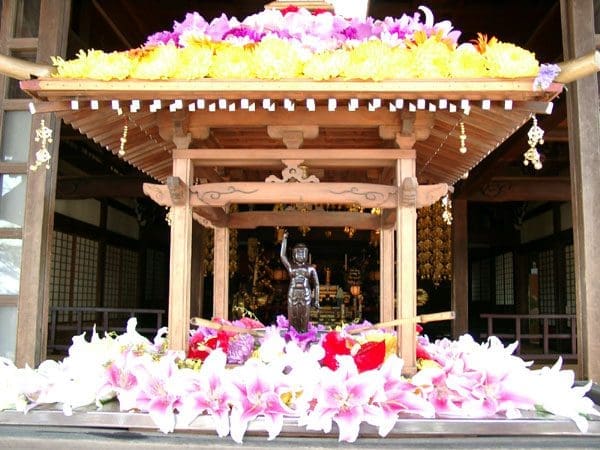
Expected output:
{"points": [[181, 260], [460, 268], [584, 139], [386, 275], [406, 261], [221, 274], [32, 317], [197, 287]]}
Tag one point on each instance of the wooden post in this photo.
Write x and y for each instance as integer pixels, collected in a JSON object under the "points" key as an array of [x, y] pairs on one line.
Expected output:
{"points": [[460, 268], [386, 274], [406, 264], [181, 260], [32, 317], [221, 273], [584, 140]]}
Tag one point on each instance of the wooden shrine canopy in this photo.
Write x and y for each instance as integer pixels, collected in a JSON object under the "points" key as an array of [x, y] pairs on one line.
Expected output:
{"points": [[392, 145]]}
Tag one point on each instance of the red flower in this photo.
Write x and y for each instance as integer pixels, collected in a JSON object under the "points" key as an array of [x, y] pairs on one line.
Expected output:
{"points": [[200, 346], [316, 12], [290, 9], [419, 328], [334, 344], [422, 353], [370, 356]]}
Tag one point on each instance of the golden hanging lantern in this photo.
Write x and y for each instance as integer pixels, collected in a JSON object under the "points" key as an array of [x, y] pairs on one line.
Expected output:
{"points": [[434, 242]]}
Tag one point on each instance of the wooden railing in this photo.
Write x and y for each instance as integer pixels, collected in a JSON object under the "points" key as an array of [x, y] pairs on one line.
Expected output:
{"points": [[544, 335], [76, 324]]}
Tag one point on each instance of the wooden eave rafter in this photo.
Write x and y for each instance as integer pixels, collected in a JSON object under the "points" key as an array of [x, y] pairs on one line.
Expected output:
{"points": [[228, 120]]}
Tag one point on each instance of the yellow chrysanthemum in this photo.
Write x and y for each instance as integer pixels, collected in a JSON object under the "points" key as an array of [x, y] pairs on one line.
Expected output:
{"points": [[467, 62], [506, 60], [326, 65], [368, 61], [96, 65], [73, 68], [193, 62], [401, 63], [276, 58], [232, 61], [156, 63], [432, 58]]}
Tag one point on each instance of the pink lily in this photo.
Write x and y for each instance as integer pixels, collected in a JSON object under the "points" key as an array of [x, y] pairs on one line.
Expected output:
{"points": [[343, 397], [159, 391], [208, 392], [258, 393], [397, 395]]}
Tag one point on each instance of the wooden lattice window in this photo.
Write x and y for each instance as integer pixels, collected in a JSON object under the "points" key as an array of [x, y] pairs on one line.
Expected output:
{"points": [[73, 279], [60, 273], [570, 294], [504, 283], [85, 274], [120, 277], [546, 281]]}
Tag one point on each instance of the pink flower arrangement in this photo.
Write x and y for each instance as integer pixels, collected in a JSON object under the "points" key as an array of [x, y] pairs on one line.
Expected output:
{"points": [[335, 377]]}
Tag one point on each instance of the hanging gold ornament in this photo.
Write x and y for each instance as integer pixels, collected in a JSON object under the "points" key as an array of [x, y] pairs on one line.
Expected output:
{"points": [[43, 135], [463, 137], [535, 136], [434, 242], [123, 141]]}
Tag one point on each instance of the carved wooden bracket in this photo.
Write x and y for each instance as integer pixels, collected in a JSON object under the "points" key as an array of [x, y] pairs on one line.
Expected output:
{"points": [[159, 193], [427, 195], [293, 136], [293, 172], [177, 190], [409, 192], [182, 141]]}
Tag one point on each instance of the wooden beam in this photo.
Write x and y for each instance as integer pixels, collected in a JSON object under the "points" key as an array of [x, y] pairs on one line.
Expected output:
{"points": [[99, 187], [365, 194], [253, 219], [222, 194], [313, 157], [512, 189], [216, 216], [213, 89]]}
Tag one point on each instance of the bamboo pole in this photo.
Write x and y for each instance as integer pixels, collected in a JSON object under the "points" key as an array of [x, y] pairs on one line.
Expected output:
{"points": [[423, 318], [23, 70], [579, 67]]}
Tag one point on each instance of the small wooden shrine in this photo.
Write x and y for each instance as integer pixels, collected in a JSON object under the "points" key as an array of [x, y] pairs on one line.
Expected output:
{"points": [[390, 145]]}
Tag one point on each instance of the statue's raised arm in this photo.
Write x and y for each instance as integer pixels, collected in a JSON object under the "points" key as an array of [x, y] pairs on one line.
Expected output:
{"points": [[282, 253]]}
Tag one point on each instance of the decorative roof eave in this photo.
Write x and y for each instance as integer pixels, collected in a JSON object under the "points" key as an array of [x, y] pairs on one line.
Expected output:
{"points": [[53, 89]]}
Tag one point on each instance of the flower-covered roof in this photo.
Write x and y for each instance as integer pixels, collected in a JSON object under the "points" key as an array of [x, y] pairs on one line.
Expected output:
{"points": [[231, 76]]}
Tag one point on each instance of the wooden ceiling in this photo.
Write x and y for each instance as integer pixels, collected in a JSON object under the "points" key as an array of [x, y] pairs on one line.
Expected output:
{"points": [[535, 24]]}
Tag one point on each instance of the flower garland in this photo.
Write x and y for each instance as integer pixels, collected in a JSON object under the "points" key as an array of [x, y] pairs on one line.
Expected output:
{"points": [[295, 43], [316, 378]]}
